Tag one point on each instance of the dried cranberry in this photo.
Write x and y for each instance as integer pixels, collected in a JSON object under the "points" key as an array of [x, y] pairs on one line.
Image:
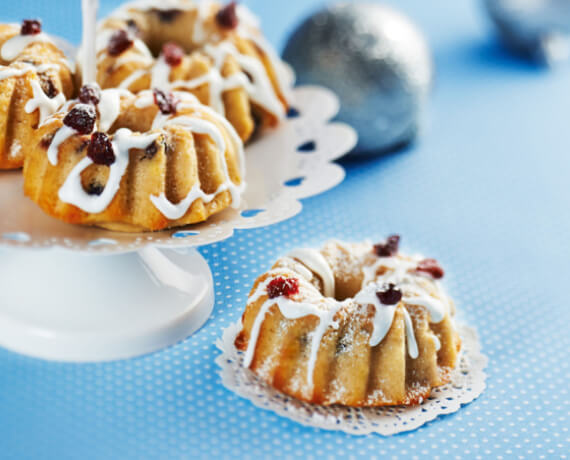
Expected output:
{"points": [[166, 102], [390, 295], [282, 286], [389, 248], [31, 27], [100, 150], [90, 94], [81, 118], [173, 54], [119, 43], [432, 267], [227, 16]]}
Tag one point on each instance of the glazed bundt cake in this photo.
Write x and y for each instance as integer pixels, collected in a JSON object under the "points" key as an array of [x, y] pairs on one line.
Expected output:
{"points": [[216, 53], [35, 81], [134, 163], [352, 324]]}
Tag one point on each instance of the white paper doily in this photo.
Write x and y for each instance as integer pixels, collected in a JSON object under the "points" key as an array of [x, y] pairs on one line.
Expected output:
{"points": [[468, 382], [284, 165]]}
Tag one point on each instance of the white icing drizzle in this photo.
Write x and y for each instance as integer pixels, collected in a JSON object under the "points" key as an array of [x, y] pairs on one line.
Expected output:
{"points": [[13, 47], [108, 108], [9, 72], [133, 77], [315, 261], [259, 89], [24, 68], [198, 125], [410, 336], [72, 191], [417, 289], [43, 103], [292, 309], [61, 135]]}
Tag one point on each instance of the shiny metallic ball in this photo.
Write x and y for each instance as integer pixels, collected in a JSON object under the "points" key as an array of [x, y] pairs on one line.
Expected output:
{"points": [[537, 29], [377, 62]]}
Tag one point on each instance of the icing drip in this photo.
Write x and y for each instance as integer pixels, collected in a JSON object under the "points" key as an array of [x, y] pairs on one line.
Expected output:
{"points": [[13, 47], [72, 191], [23, 69], [259, 89], [110, 107], [176, 211], [416, 288], [61, 135], [410, 336], [127, 82], [315, 261], [292, 309], [43, 103]]}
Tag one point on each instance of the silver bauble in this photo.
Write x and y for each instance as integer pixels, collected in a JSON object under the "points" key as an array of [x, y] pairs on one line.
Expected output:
{"points": [[538, 29], [378, 63]]}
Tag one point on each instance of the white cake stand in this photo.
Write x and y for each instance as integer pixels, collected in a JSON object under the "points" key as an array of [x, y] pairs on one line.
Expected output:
{"points": [[73, 293]]}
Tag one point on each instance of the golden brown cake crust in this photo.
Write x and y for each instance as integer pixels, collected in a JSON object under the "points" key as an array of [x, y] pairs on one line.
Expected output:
{"points": [[174, 162], [279, 333], [40, 62]]}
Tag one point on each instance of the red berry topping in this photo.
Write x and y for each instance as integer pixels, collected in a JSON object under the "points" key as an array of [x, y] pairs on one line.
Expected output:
{"points": [[31, 27], [81, 118], [166, 102], [432, 267], [282, 286], [227, 16], [90, 94], [119, 43], [390, 295], [389, 248], [100, 150], [173, 54]]}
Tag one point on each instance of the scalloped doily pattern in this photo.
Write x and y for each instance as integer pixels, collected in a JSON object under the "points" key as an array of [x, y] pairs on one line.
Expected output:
{"points": [[284, 165], [467, 383]]}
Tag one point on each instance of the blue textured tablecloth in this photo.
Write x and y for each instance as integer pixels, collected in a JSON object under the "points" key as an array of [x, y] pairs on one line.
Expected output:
{"points": [[485, 190]]}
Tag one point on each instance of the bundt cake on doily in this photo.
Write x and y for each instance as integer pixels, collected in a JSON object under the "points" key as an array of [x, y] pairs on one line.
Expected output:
{"points": [[134, 163], [35, 81], [215, 52], [352, 324]]}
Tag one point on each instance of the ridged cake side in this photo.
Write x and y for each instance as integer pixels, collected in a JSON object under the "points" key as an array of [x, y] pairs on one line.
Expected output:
{"points": [[29, 71], [173, 175], [321, 350]]}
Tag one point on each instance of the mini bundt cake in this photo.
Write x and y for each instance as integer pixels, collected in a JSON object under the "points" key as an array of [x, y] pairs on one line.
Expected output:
{"points": [[134, 163], [35, 81], [352, 324], [217, 53]]}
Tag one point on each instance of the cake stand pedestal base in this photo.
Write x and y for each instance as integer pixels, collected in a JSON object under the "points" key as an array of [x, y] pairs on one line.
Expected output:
{"points": [[67, 306]]}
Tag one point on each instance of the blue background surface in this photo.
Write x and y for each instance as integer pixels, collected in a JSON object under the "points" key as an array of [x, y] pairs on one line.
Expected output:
{"points": [[485, 190]]}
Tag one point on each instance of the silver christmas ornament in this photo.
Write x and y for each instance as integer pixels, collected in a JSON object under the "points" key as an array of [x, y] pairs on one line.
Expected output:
{"points": [[378, 63], [537, 29]]}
